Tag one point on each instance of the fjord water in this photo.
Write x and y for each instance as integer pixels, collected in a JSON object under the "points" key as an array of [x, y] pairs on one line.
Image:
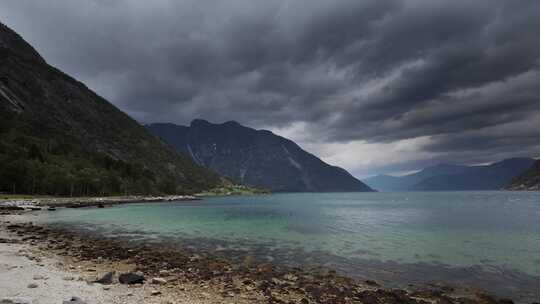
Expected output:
{"points": [[485, 239]]}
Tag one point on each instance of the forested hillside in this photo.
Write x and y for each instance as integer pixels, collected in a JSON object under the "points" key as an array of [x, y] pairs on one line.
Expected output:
{"points": [[58, 137]]}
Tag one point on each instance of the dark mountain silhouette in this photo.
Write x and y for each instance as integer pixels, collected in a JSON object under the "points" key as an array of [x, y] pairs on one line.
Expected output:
{"points": [[454, 177], [256, 157], [527, 180]]}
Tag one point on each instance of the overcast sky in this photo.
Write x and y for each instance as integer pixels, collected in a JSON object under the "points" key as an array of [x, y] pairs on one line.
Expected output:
{"points": [[371, 85]]}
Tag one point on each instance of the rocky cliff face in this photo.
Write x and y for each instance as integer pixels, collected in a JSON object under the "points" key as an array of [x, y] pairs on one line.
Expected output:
{"points": [[45, 112], [528, 180], [256, 157]]}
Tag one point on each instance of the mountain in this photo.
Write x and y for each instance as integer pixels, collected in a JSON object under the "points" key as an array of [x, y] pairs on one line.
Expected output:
{"points": [[59, 137], [256, 157], [528, 180], [407, 182], [454, 177]]}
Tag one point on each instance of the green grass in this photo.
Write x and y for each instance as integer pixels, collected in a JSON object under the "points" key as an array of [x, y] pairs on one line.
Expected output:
{"points": [[233, 190]]}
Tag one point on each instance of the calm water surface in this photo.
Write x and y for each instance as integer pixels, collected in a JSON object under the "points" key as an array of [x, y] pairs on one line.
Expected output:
{"points": [[487, 239]]}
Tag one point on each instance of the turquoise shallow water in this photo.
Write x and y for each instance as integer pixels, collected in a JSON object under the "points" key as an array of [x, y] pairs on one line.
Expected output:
{"points": [[489, 238]]}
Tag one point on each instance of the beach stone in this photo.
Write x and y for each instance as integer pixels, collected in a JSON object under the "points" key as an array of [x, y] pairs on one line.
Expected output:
{"points": [[155, 293], [131, 278], [159, 281], [39, 277], [368, 297], [74, 300], [290, 277], [372, 283], [430, 293], [106, 279], [32, 285]]}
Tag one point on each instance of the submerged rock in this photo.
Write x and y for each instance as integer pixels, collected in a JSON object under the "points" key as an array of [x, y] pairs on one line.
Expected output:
{"points": [[131, 278], [372, 283]]}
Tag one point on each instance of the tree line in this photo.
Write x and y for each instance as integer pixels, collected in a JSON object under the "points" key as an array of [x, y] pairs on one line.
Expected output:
{"points": [[31, 165]]}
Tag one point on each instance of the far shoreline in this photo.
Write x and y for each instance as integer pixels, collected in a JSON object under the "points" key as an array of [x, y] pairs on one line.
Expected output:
{"points": [[37, 202], [51, 202]]}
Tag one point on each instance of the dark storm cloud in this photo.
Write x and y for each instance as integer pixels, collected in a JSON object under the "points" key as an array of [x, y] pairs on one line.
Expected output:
{"points": [[464, 73]]}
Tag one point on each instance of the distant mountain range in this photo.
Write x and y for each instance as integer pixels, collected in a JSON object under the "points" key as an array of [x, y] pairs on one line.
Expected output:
{"points": [[445, 177], [256, 157], [528, 180], [58, 137]]}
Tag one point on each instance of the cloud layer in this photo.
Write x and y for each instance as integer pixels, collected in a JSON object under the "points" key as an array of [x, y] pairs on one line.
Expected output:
{"points": [[357, 82]]}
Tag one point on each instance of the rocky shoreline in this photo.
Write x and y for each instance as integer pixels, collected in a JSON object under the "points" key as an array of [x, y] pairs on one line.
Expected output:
{"points": [[81, 202], [167, 274]]}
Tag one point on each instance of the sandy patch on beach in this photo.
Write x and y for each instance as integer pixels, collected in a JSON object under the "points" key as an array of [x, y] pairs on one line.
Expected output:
{"points": [[18, 272], [27, 276]]}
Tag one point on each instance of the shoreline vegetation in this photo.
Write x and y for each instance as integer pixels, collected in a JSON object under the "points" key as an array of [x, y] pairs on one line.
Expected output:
{"points": [[233, 190], [120, 271], [37, 202]]}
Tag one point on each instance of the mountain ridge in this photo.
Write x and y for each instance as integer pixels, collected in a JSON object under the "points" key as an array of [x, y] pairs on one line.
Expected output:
{"points": [[449, 177], [59, 137], [257, 158]]}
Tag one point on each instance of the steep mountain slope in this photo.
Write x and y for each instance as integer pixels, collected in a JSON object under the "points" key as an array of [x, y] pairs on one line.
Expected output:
{"points": [[528, 180], [59, 137], [256, 157], [454, 178]]}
